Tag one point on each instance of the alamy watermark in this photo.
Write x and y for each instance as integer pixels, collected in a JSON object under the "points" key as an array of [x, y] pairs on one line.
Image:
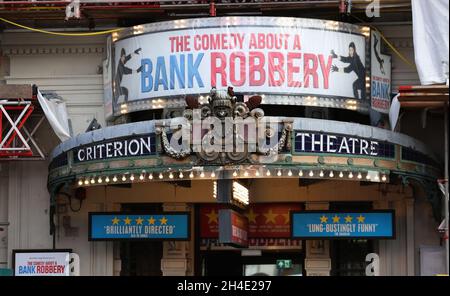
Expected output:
{"points": [[228, 134], [373, 9]]}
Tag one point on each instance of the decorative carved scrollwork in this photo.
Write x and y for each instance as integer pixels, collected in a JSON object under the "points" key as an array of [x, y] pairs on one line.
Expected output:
{"points": [[224, 104]]}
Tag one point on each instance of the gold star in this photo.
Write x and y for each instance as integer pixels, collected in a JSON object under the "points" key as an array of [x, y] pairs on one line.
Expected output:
{"points": [[348, 219], [361, 219], [127, 221], [213, 217], [270, 217], [323, 219], [336, 219], [251, 216], [287, 217], [151, 221], [139, 221], [115, 221], [163, 221]]}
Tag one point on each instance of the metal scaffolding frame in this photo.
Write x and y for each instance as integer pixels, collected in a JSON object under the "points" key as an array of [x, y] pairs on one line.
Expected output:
{"points": [[15, 136]]}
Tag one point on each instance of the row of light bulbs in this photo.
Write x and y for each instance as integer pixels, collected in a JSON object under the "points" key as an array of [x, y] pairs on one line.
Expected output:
{"points": [[171, 175], [331, 174], [142, 177]]}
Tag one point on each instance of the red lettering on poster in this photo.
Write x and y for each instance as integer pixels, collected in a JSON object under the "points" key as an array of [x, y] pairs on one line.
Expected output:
{"points": [[271, 220]]}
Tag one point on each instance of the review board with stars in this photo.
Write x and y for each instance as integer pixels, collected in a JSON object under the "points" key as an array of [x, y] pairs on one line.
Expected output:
{"points": [[130, 226], [328, 224]]}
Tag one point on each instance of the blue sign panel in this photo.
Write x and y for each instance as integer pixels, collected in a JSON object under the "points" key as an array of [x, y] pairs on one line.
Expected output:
{"points": [[316, 224], [129, 226], [132, 146], [311, 142]]}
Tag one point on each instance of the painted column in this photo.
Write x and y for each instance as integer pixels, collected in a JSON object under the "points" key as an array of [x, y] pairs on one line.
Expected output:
{"points": [[399, 246], [14, 213], [178, 256], [410, 252], [383, 245], [317, 261], [4, 214]]}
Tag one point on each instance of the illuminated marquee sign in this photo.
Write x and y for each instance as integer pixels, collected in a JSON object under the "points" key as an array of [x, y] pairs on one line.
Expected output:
{"points": [[315, 142], [128, 226], [125, 147], [230, 191], [319, 224], [278, 56]]}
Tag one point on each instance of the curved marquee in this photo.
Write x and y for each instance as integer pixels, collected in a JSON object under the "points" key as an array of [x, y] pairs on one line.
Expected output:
{"points": [[291, 61], [315, 149]]}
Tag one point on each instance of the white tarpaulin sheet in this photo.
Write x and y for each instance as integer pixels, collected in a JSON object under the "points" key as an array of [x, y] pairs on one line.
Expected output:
{"points": [[56, 114], [394, 112], [430, 28]]}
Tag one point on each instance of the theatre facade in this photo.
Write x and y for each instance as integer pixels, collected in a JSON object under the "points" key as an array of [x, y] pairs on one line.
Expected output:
{"points": [[243, 146]]}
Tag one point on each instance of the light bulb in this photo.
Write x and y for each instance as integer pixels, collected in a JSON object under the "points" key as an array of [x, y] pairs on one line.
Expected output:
{"points": [[359, 176], [311, 173], [150, 176], [161, 176], [331, 174], [80, 182], [124, 178], [213, 175], [279, 173], [191, 175], [368, 176], [132, 177], [383, 178], [92, 181], [141, 177], [202, 175], [268, 173], [350, 175], [245, 174], [99, 180], [290, 173], [300, 173], [86, 182], [170, 176], [115, 179], [107, 179], [234, 174], [180, 175], [321, 174], [257, 173], [341, 175]]}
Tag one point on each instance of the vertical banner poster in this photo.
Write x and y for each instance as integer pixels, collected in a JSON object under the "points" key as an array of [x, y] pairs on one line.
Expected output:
{"points": [[380, 77]]}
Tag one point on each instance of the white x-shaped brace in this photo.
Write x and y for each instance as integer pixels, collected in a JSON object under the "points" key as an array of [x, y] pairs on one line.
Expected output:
{"points": [[30, 136], [14, 128]]}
